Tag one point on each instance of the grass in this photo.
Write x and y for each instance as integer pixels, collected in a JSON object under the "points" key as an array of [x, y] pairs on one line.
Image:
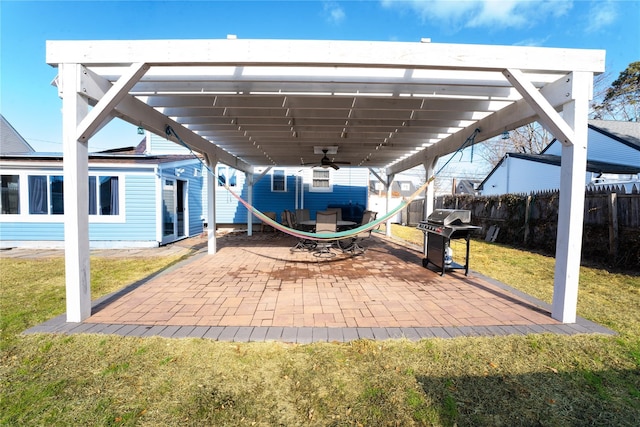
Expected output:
{"points": [[541, 379], [33, 290]]}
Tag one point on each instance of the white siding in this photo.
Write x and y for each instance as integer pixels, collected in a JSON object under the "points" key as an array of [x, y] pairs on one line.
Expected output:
{"points": [[160, 145], [522, 176], [604, 149]]}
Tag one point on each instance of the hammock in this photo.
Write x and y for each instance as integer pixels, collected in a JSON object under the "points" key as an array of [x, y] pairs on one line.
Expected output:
{"points": [[330, 236], [321, 236]]}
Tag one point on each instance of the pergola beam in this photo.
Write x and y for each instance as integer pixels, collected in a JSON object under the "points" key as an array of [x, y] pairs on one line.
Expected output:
{"points": [[515, 115], [322, 53], [137, 112]]}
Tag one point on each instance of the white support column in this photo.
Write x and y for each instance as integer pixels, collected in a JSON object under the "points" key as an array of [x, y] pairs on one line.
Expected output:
{"points": [[571, 208], [249, 183], [76, 206], [429, 194], [212, 186], [388, 223]]}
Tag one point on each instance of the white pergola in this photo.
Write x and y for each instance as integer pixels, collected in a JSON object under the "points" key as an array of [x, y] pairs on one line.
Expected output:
{"points": [[386, 105]]}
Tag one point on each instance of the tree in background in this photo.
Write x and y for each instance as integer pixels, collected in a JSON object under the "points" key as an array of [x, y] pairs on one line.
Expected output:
{"points": [[528, 139], [620, 101]]}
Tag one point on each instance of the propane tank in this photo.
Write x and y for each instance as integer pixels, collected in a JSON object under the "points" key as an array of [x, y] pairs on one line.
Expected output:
{"points": [[448, 256]]}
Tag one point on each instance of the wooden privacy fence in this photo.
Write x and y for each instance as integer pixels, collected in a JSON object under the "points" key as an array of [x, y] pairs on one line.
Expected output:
{"points": [[611, 221]]}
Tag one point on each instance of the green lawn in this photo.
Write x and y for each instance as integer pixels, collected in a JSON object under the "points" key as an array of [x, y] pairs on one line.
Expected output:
{"points": [[503, 381]]}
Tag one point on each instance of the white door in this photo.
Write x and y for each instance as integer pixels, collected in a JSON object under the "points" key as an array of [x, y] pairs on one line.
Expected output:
{"points": [[174, 212]]}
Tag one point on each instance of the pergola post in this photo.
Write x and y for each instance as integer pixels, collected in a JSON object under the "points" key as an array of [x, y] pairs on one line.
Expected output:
{"points": [[211, 205], [429, 194], [250, 202], [388, 184], [76, 205], [571, 208]]}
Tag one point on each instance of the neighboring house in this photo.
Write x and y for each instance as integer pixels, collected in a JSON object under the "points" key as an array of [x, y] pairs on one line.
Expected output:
{"points": [[466, 186], [613, 157], [400, 190], [149, 195], [11, 142]]}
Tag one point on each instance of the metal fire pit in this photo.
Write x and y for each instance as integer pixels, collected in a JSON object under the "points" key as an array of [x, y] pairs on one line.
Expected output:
{"points": [[439, 228]]}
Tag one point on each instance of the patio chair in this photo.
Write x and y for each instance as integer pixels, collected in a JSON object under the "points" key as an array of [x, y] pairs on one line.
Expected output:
{"points": [[289, 219], [326, 222], [302, 215], [338, 212], [353, 246], [270, 215]]}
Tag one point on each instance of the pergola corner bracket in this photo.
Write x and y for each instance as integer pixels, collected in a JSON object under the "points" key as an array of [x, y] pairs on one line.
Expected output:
{"points": [[549, 117], [102, 111]]}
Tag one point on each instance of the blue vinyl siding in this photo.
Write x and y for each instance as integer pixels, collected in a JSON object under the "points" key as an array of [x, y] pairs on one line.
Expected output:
{"points": [[31, 231], [194, 198], [140, 225], [350, 186], [266, 200]]}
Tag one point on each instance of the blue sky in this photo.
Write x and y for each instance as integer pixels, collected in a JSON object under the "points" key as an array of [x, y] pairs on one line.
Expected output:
{"points": [[31, 104]]}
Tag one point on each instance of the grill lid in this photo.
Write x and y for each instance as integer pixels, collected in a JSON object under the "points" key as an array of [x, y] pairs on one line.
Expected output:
{"points": [[450, 217]]}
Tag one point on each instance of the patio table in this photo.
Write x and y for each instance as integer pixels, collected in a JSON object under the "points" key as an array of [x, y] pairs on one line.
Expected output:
{"points": [[339, 224]]}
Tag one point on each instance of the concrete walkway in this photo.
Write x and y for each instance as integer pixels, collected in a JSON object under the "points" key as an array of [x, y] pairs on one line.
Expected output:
{"points": [[256, 289]]}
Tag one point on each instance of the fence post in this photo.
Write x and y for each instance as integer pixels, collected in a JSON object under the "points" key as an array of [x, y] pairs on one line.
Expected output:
{"points": [[527, 206], [613, 226]]}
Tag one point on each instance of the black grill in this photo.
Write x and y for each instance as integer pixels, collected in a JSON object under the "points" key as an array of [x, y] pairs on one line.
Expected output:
{"points": [[439, 228]]}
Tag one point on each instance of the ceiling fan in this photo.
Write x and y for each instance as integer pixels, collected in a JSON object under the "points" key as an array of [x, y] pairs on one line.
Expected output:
{"points": [[325, 162]]}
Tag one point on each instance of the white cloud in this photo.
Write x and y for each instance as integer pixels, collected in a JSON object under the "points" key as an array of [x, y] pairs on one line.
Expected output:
{"points": [[601, 14], [484, 13], [531, 42], [335, 13]]}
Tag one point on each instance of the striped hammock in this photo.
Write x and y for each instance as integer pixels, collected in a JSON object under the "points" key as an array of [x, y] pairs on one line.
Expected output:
{"points": [[324, 236]]}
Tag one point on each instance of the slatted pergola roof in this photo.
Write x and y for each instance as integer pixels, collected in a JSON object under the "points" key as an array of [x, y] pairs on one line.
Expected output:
{"points": [[279, 102], [387, 105]]}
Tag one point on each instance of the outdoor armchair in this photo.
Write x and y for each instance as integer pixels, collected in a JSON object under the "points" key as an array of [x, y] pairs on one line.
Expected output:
{"points": [[353, 245], [326, 222]]}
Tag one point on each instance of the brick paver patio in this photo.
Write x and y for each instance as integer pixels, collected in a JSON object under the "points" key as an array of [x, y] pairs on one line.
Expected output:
{"points": [[255, 288]]}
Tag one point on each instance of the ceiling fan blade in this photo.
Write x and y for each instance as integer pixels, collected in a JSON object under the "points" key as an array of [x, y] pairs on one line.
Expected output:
{"points": [[333, 165]]}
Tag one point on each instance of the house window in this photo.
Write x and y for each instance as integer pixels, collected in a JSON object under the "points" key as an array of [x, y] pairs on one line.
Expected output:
{"points": [[232, 178], [56, 187], [222, 176], [38, 195], [321, 180], [104, 195], [46, 195], [10, 198], [278, 180], [226, 176], [405, 186]]}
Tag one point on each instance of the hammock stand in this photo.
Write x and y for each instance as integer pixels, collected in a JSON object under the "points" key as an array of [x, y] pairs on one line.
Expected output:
{"points": [[323, 237]]}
